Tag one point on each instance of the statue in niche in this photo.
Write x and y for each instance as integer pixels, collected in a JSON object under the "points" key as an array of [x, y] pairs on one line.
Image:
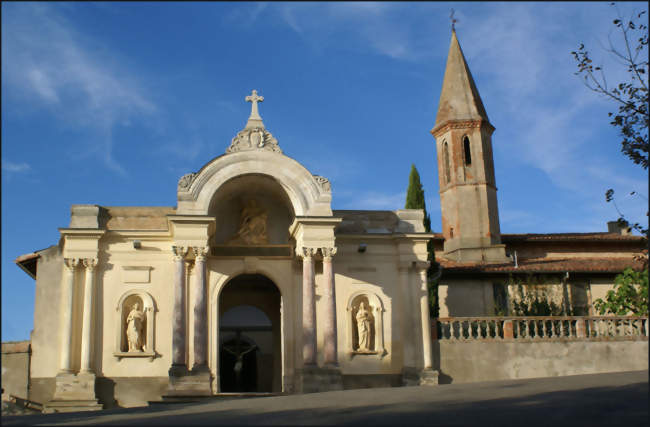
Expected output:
{"points": [[364, 325], [134, 323], [252, 226]]}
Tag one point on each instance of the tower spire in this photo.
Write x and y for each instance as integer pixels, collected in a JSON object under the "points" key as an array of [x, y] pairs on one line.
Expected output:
{"points": [[468, 192], [459, 98]]}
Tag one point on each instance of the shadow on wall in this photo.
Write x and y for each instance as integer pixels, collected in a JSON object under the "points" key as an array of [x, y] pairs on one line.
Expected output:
{"points": [[466, 299], [443, 378], [105, 392]]}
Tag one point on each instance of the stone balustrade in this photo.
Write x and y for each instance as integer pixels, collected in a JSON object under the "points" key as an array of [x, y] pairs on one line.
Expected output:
{"points": [[540, 328]]}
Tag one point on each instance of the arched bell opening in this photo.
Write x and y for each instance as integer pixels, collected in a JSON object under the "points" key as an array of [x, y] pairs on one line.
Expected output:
{"points": [[249, 336], [251, 210]]}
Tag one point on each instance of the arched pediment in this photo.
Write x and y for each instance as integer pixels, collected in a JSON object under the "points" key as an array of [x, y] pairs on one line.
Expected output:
{"points": [[309, 195]]}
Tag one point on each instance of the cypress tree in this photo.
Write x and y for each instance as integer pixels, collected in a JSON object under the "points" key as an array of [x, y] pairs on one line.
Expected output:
{"points": [[415, 197], [415, 200]]}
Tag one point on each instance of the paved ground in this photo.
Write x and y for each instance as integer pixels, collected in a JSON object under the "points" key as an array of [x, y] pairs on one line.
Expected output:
{"points": [[615, 399]]}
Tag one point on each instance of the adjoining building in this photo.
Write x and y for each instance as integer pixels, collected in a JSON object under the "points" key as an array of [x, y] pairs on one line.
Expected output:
{"points": [[252, 283]]}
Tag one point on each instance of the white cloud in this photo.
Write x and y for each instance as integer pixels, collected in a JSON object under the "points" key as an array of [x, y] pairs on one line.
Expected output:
{"points": [[8, 166], [47, 64]]}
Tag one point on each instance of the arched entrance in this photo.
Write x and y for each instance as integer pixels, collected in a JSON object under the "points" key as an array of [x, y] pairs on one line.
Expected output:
{"points": [[250, 355]]}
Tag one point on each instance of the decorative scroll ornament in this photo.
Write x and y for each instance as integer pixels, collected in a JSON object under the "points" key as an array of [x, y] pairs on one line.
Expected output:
{"points": [[254, 139], [185, 181], [328, 253], [323, 182], [304, 252]]}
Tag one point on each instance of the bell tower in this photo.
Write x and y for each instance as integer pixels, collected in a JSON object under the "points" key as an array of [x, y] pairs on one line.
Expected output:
{"points": [[468, 193]]}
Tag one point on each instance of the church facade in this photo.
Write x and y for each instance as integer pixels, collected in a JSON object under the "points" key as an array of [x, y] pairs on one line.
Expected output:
{"points": [[252, 283]]}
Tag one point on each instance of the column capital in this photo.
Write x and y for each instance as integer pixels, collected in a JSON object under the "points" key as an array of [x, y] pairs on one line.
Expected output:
{"points": [[200, 252], [304, 252], [90, 263], [328, 253], [179, 252], [71, 263]]}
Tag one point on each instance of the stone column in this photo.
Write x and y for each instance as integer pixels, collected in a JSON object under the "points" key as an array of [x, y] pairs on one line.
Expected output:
{"points": [[178, 322], [308, 307], [426, 319], [408, 327], [200, 309], [66, 311], [86, 328], [329, 300]]}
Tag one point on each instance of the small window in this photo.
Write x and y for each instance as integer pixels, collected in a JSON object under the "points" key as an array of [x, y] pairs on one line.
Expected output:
{"points": [[468, 154], [445, 154]]}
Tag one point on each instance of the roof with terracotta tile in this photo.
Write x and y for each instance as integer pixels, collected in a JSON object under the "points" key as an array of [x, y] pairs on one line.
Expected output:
{"points": [[546, 265]]}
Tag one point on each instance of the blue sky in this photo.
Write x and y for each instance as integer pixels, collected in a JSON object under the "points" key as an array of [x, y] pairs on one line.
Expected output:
{"points": [[111, 103]]}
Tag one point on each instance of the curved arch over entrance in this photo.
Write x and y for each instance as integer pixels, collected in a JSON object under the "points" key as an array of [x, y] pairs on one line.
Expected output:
{"points": [[249, 336], [309, 194]]}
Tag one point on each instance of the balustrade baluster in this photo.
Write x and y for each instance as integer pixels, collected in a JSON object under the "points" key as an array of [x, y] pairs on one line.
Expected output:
{"points": [[526, 331], [562, 328]]}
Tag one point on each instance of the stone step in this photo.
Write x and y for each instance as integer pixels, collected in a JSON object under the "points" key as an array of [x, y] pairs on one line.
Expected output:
{"points": [[214, 397]]}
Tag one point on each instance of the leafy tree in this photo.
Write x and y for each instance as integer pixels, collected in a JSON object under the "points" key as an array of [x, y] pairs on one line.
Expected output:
{"points": [[630, 295], [631, 95], [415, 200]]}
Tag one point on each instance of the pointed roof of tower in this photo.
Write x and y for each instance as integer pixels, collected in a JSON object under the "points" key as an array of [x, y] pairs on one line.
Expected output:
{"points": [[459, 98]]}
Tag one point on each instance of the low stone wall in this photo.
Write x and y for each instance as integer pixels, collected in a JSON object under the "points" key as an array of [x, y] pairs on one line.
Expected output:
{"points": [[15, 369], [472, 349]]}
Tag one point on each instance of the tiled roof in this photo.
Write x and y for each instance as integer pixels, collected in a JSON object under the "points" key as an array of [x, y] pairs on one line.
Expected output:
{"points": [[566, 237], [546, 265]]}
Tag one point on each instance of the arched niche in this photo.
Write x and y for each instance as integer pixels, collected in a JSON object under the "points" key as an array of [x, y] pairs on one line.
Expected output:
{"points": [[125, 306], [375, 310], [271, 206], [308, 194]]}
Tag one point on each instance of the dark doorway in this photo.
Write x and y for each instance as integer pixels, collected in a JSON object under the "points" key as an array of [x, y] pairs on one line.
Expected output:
{"points": [[250, 355]]}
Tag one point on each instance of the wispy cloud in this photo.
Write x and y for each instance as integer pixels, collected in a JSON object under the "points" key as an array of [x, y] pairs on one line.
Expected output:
{"points": [[48, 64], [8, 166], [365, 24]]}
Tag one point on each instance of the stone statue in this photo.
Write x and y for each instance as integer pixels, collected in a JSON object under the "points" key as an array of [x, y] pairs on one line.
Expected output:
{"points": [[363, 328], [252, 226], [239, 363], [134, 323]]}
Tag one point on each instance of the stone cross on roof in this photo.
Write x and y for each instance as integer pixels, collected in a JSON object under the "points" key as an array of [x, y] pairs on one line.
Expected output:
{"points": [[255, 120]]}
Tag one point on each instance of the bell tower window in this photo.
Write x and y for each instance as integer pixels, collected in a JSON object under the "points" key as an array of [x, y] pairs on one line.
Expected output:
{"points": [[466, 149], [445, 154]]}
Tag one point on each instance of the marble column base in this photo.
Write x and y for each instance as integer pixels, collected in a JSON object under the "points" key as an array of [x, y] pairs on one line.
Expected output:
{"points": [[314, 379], [184, 383], [415, 376], [73, 393]]}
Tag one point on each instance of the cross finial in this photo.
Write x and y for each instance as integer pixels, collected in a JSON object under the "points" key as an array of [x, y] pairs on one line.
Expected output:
{"points": [[453, 20], [254, 99]]}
